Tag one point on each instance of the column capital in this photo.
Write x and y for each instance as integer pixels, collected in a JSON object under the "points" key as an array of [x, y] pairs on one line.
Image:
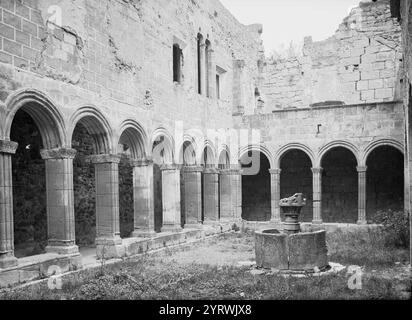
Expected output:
{"points": [[211, 170], [275, 171], [230, 172], [105, 158], [317, 170], [8, 146], [144, 162], [362, 168], [192, 169], [170, 167], [61, 153]]}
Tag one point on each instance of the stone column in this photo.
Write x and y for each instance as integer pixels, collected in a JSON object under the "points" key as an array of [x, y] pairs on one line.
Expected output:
{"points": [[225, 196], [60, 200], [275, 194], [317, 195], [193, 196], [143, 193], [211, 195], [236, 189], [362, 195], [212, 74], [108, 239], [7, 258], [171, 198]]}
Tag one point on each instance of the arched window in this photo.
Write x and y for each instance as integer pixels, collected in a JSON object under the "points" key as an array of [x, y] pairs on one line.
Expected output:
{"points": [[199, 63]]}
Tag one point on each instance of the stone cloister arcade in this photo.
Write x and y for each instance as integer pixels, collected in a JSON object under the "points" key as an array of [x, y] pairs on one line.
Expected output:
{"points": [[186, 189]]}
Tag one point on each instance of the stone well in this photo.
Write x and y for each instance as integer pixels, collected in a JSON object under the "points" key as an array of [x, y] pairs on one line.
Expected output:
{"points": [[291, 249]]}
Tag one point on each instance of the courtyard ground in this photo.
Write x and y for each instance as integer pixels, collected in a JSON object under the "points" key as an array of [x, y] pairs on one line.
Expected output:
{"points": [[221, 268]]}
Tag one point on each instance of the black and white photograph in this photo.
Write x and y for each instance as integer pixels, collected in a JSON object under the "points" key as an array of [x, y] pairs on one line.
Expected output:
{"points": [[200, 156]]}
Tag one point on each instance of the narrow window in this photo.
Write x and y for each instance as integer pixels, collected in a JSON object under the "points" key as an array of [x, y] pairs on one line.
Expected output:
{"points": [[199, 63], [217, 86], [177, 63], [220, 82], [207, 66]]}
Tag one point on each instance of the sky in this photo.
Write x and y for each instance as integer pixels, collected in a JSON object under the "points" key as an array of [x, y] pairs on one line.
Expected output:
{"points": [[291, 20]]}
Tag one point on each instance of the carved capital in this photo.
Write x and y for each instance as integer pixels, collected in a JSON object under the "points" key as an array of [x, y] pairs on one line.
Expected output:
{"points": [[317, 170], [56, 154], [275, 171], [8, 146], [105, 158], [362, 169], [192, 169], [210, 170], [144, 162], [170, 167]]}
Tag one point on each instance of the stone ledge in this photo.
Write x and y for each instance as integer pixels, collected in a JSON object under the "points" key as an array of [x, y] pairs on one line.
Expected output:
{"points": [[8, 146], [58, 154]]}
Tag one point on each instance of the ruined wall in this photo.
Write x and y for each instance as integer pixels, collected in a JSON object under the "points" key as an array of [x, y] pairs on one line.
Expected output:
{"points": [[360, 63], [117, 55]]}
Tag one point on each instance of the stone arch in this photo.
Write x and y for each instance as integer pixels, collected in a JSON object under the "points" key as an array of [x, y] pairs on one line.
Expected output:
{"points": [[224, 157], [97, 125], [260, 149], [133, 135], [187, 153], [385, 178], [335, 144], [379, 143], [294, 146], [43, 111], [296, 176], [256, 186], [162, 145], [209, 154], [340, 183]]}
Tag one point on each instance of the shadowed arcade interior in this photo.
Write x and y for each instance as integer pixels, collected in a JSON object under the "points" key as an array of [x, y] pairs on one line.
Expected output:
{"points": [[339, 186], [296, 177], [256, 195]]}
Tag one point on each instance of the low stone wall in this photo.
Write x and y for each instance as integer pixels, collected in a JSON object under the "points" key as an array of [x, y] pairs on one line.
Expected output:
{"points": [[43, 266]]}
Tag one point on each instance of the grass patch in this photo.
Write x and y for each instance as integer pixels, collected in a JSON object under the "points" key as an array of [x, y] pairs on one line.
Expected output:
{"points": [[210, 271]]}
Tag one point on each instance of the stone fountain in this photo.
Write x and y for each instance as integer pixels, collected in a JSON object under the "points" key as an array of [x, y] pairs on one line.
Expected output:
{"points": [[291, 249]]}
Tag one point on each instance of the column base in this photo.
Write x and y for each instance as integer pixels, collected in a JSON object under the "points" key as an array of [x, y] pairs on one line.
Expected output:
{"points": [[171, 228], [362, 222], [317, 222], [8, 261], [193, 226], [64, 250], [140, 233]]}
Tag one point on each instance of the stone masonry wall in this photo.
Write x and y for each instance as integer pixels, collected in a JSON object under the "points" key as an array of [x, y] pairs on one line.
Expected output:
{"points": [[360, 63], [117, 55]]}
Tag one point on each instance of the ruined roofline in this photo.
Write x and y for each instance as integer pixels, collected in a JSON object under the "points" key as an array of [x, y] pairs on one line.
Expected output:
{"points": [[254, 27], [307, 40]]}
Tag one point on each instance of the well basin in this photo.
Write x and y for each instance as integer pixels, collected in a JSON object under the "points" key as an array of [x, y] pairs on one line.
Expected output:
{"points": [[305, 251]]}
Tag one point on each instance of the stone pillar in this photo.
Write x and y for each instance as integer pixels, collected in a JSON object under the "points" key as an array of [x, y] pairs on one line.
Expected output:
{"points": [[7, 258], [275, 194], [108, 239], [171, 198], [192, 196], [362, 195], [225, 195], [60, 200], [143, 193], [236, 189], [212, 74], [211, 195], [317, 195]]}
